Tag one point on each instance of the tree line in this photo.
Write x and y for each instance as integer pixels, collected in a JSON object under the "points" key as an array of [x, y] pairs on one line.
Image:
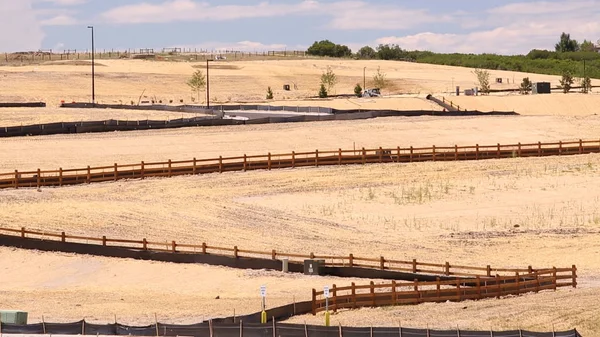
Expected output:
{"points": [[568, 56]]}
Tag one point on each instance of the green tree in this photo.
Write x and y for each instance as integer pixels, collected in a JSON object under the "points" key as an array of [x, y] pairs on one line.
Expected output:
{"points": [[586, 85], [328, 48], [358, 90], [566, 44], [525, 87], [391, 52], [323, 91], [269, 93], [483, 78], [566, 82], [587, 46], [366, 53], [329, 79], [379, 79], [197, 82]]}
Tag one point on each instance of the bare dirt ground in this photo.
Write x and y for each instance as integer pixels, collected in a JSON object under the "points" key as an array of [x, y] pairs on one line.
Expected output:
{"points": [[459, 212], [122, 81], [52, 152]]}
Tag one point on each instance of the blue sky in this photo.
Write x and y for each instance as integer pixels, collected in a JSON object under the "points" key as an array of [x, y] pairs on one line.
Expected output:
{"points": [[494, 26]]}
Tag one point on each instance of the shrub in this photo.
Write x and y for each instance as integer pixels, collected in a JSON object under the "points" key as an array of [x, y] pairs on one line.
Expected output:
{"points": [[483, 78], [323, 91], [328, 48], [329, 79], [525, 87], [197, 82], [566, 82], [269, 93], [586, 85], [358, 90], [379, 79]]}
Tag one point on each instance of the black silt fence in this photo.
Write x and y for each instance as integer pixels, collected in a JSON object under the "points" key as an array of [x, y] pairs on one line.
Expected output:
{"points": [[247, 329]]}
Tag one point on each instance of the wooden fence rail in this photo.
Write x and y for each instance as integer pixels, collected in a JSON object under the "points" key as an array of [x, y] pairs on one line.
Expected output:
{"points": [[402, 293], [381, 263], [170, 168]]}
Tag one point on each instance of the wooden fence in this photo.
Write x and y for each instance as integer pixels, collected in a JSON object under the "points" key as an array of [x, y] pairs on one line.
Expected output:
{"points": [[63, 177], [403, 293], [381, 263]]}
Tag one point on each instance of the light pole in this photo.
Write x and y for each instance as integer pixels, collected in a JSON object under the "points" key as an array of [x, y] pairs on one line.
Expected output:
{"points": [[93, 68], [365, 78], [207, 85]]}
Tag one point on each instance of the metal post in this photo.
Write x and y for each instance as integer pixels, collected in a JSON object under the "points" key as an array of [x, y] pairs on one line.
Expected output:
{"points": [[93, 68], [365, 78], [207, 85]]}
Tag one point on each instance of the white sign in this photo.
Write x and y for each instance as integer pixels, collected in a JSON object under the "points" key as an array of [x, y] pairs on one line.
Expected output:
{"points": [[326, 291], [263, 291]]}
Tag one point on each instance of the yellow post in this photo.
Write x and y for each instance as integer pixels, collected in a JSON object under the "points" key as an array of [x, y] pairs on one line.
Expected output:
{"points": [[263, 317], [327, 318]]}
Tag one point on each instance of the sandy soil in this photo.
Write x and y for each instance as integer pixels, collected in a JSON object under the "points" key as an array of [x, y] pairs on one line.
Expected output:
{"points": [[459, 212], [29, 116], [125, 80], [66, 288], [573, 104], [52, 152]]}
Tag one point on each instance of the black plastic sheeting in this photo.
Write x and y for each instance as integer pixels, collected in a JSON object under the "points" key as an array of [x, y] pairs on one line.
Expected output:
{"points": [[209, 259], [244, 329]]}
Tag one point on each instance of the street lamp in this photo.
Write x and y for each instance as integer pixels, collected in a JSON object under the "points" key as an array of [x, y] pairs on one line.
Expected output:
{"points": [[365, 78], [93, 68], [207, 85]]}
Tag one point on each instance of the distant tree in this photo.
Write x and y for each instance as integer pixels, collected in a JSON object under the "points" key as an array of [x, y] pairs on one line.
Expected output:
{"points": [[197, 82], [566, 82], [329, 79], [587, 46], [586, 85], [366, 53], [323, 91], [483, 78], [328, 48], [358, 90], [525, 87], [269, 93], [566, 44], [379, 79], [391, 52]]}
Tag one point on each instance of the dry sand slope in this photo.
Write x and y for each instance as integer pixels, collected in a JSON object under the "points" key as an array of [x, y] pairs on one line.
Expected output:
{"points": [[459, 212], [125, 80], [70, 151]]}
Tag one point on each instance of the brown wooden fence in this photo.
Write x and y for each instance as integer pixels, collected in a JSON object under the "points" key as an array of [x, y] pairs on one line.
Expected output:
{"points": [[62, 177], [403, 293], [381, 263]]}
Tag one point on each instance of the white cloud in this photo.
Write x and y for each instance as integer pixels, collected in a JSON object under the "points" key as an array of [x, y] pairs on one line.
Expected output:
{"points": [[511, 29], [245, 46], [60, 20], [21, 29]]}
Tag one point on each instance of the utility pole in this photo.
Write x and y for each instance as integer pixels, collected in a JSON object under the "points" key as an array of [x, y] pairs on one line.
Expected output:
{"points": [[207, 85], [93, 68], [365, 78]]}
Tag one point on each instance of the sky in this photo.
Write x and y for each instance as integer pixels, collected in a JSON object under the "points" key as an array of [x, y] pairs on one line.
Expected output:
{"points": [[485, 26]]}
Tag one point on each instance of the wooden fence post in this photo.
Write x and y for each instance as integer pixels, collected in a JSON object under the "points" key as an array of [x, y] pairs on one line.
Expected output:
{"points": [[235, 252], [173, 246], [499, 151], [414, 265], [194, 167], [273, 254], [145, 244], [381, 263], [580, 146], [476, 151], [293, 159], [455, 152], [340, 157], [220, 164], [364, 156], [373, 294], [60, 176], [245, 162], [116, 171], [104, 240], [314, 302], [269, 161], [554, 277], [39, 178], [380, 154], [16, 183], [574, 276], [433, 149], [539, 149], [447, 268], [411, 154], [203, 247], [317, 158], [23, 232], [416, 290], [353, 295], [63, 237], [351, 260], [438, 287], [398, 157], [489, 271], [519, 149], [334, 297]]}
